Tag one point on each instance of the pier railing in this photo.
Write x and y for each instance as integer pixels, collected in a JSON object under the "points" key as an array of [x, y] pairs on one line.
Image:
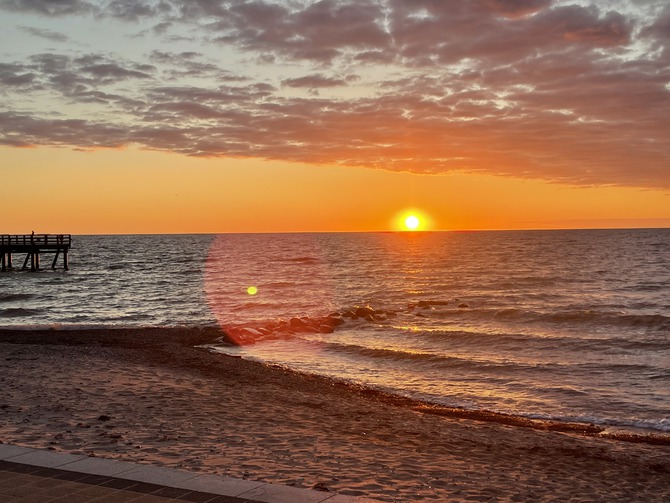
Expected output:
{"points": [[41, 240], [33, 245]]}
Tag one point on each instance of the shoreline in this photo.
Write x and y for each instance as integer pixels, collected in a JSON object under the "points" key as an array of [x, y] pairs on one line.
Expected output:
{"points": [[168, 402], [204, 337]]}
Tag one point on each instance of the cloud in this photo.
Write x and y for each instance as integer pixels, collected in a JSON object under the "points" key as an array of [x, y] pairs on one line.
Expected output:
{"points": [[314, 82], [134, 10], [80, 76], [49, 7], [321, 31], [189, 64], [103, 71], [658, 33], [23, 130], [54, 36], [518, 8], [562, 91], [579, 24], [472, 31], [12, 74]]}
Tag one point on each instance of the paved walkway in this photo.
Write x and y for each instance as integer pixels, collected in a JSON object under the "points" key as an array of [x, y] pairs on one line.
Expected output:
{"points": [[41, 476]]}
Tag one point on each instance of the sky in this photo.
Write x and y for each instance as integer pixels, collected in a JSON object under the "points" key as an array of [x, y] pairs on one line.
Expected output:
{"points": [[157, 116]]}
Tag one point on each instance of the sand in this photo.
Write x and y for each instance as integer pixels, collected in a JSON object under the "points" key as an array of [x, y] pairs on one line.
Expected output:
{"points": [[151, 396]]}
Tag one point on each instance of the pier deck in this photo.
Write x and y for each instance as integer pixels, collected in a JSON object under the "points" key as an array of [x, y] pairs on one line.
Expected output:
{"points": [[33, 245]]}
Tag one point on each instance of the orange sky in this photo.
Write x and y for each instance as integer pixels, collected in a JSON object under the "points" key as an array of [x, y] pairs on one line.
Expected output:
{"points": [[132, 191]]}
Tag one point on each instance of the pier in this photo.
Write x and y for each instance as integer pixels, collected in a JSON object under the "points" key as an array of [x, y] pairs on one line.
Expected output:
{"points": [[33, 245]]}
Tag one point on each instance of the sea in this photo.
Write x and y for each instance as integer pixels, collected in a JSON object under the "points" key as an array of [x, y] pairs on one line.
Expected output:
{"points": [[560, 325]]}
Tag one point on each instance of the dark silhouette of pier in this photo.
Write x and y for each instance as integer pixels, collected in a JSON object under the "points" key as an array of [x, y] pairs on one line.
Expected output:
{"points": [[33, 245]]}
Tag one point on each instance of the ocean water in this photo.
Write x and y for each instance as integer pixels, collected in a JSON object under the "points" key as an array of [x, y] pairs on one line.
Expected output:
{"points": [[561, 325]]}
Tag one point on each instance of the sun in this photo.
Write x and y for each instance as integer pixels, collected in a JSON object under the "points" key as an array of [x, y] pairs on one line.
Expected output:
{"points": [[412, 220]]}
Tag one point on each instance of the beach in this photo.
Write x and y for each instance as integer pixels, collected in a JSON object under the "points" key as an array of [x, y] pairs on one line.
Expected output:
{"points": [[154, 396]]}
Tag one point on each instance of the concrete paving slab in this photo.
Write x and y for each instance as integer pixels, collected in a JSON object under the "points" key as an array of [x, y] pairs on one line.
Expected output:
{"points": [[269, 493], [46, 459], [343, 498], [99, 466], [157, 475], [8, 451], [216, 484], [31, 475]]}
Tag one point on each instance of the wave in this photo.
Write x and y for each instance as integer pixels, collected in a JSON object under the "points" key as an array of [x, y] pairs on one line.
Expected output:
{"points": [[480, 308], [647, 287], [533, 281], [302, 260], [563, 390], [585, 316], [18, 312], [492, 368], [129, 318], [279, 284], [101, 328], [435, 360], [251, 333], [516, 341], [656, 321], [358, 316], [601, 427], [607, 423], [13, 297]]}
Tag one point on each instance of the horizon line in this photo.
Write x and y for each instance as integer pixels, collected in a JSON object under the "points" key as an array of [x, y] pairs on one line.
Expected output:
{"points": [[387, 231]]}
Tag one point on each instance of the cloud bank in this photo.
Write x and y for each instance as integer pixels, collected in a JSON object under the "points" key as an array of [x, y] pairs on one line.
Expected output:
{"points": [[568, 92]]}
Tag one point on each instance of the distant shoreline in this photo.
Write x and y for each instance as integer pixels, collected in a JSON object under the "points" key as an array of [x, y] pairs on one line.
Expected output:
{"points": [[383, 231]]}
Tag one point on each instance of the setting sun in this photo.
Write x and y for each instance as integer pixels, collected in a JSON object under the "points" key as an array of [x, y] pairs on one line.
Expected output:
{"points": [[412, 222]]}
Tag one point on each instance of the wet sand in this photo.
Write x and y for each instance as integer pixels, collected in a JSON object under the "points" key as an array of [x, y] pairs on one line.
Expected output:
{"points": [[151, 396]]}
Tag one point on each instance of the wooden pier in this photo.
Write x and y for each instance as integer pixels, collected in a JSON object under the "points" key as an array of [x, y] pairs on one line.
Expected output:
{"points": [[33, 245]]}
